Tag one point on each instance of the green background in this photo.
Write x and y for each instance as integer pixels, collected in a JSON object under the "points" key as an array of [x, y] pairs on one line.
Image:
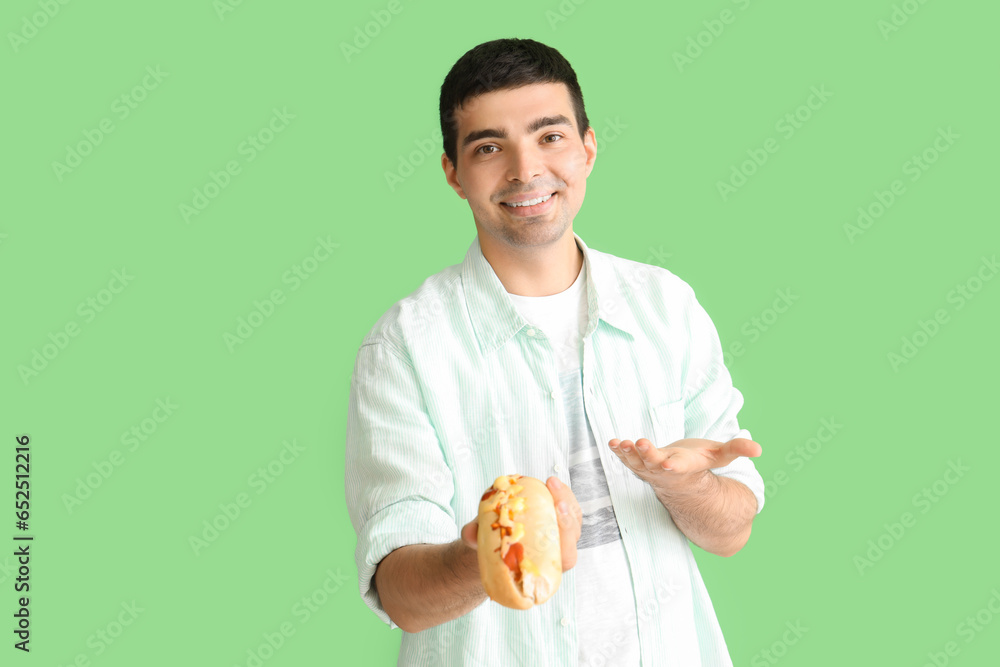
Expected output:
{"points": [[670, 134]]}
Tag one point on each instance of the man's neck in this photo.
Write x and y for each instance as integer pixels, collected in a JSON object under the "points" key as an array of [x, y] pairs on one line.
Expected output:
{"points": [[540, 271]]}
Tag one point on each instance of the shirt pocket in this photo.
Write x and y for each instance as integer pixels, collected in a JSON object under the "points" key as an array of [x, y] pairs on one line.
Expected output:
{"points": [[668, 422]]}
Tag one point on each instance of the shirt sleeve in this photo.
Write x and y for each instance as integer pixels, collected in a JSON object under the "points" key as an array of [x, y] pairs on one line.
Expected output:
{"points": [[398, 485], [711, 402]]}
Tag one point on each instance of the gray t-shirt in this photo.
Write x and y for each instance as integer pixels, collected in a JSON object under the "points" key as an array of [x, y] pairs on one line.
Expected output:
{"points": [[606, 615]]}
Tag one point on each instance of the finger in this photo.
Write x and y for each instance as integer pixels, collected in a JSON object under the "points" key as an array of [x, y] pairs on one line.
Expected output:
{"points": [[732, 450], [651, 457], [626, 452], [470, 534], [682, 460], [743, 447], [570, 518], [567, 508]]}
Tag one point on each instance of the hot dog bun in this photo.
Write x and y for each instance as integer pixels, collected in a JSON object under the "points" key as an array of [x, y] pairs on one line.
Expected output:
{"points": [[520, 559]]}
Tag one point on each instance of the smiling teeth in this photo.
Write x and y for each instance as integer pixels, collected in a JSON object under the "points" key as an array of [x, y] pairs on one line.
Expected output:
{"points": [[529, 202]]}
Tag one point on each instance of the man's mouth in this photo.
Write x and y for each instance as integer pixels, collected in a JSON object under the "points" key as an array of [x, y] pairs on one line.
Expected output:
{"points": [[531, 207], [529, 202]]}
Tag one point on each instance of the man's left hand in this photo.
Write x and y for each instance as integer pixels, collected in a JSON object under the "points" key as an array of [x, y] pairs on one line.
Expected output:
{"points": [[664, 466]]}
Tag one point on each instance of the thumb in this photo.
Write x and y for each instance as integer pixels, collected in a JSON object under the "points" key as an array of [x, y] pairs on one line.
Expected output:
{"points": [[470, 534], [745, 447], [559, 491]]}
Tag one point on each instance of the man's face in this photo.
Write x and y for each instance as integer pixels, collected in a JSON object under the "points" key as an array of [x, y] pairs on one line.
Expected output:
{"points": [[521, 144]]}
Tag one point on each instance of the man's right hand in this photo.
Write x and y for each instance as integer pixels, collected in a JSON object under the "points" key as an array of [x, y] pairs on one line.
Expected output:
{"points": [[568, 514]]}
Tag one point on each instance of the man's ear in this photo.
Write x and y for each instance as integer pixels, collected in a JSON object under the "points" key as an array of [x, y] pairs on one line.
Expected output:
{"points": [[590, 146], [451, 175]]}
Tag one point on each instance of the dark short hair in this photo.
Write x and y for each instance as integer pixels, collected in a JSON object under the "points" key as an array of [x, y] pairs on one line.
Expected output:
{"points": [[499, 65]]}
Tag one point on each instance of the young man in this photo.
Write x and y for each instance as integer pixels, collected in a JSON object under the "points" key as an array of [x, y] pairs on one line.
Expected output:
{"points": [[540, 356]]}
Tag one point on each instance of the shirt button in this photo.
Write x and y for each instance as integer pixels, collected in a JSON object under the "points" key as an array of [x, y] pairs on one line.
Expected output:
{"points": [[530, 332], [565, 621], [553, 394], [557, 468]]}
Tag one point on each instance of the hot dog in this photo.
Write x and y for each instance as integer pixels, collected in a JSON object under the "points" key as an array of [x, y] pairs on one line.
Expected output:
{"points": [[520, 560]]}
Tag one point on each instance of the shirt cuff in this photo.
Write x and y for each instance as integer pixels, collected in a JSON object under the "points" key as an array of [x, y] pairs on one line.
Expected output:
{"points": [[398, 525], [744, 471]]}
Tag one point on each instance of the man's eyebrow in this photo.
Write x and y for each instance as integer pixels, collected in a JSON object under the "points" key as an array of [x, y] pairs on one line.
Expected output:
{"points": [[534, 126]]}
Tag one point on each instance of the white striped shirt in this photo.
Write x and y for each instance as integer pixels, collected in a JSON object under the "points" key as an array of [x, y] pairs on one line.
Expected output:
{"points": [[453, 388]]}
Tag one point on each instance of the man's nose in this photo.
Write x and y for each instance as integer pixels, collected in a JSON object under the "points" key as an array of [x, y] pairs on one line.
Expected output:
{"points": [[525, 164]]}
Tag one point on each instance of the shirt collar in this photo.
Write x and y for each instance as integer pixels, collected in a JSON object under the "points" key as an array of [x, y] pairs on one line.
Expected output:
{"points": [[495, 319]]}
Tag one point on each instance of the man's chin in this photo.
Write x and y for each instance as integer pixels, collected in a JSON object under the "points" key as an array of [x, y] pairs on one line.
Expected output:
{"points": [[535, 232]]}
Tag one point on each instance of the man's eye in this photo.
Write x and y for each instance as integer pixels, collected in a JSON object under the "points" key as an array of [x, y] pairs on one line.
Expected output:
{"points": [[481, 150]]}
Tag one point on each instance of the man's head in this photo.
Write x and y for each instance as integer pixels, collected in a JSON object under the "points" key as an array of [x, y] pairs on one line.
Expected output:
{"points": [[499, 65], [514, 128]]}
